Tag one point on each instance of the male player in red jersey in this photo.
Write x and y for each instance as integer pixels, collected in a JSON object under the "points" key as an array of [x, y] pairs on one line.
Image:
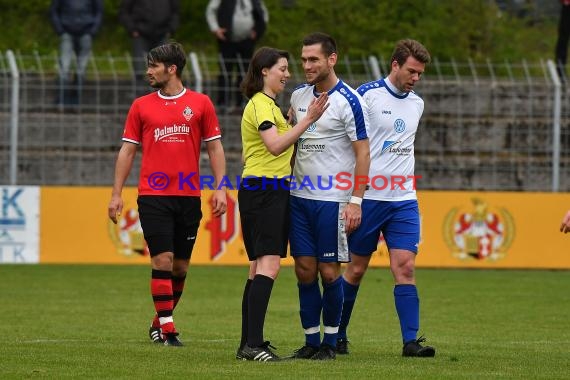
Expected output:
{"points": [[169, 125]]}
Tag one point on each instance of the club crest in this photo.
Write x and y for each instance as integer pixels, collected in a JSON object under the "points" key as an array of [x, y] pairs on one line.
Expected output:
{"points": [[480, 233], [127, 235], [188, 113]]}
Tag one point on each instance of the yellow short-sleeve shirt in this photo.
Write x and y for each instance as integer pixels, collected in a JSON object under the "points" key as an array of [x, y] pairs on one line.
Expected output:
{"points": [[258, 161]]}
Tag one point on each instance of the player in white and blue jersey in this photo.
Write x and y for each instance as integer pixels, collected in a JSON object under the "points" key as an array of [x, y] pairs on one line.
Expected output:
{"points": [[324, 209], [390, 204]]}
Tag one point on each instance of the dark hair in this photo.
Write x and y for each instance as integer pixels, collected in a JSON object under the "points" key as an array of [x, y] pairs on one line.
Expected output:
{"points": [[407, 48], [171, 53], [264, 57], [328, 44]]}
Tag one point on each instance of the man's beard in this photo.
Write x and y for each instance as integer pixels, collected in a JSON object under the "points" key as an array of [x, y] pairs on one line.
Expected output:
{"points": [[319, 78], [157, 84]]}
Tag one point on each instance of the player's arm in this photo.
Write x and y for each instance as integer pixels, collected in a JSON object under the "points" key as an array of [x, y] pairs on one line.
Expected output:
{"points": [[218, 166], [292, 120], [352, 211], [123, 167], [362, 153], [565, 226], [278, 143]]}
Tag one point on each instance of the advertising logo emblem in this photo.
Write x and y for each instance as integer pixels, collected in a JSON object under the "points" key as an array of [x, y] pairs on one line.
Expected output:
{"points": [[127, 235], [481, 232], [223, 229], [19, 224], [188, 113], [312, 128], [399, 125], [388, 144]]}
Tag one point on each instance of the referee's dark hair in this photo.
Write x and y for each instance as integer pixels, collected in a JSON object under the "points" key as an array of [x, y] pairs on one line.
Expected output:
{"points": [[264, 58], [171, 53], [328, 44]]}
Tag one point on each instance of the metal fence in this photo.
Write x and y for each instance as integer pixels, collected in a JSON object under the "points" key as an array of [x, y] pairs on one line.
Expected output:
{"points": [[486, 126]]}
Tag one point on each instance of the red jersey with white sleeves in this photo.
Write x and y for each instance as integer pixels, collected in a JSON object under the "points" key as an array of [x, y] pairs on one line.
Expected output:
{"points": [[170, 130]]}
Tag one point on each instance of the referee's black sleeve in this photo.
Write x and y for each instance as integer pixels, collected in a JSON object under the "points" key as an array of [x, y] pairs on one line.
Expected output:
{"points": [[265, 125]]}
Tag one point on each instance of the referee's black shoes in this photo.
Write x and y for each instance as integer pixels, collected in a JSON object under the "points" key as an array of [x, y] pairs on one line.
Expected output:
{"points": [[261, 354], [415, 349]]}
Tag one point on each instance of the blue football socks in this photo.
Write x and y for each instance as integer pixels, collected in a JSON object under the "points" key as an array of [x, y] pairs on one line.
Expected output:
{"points": [[332, 310], [408, 309], [310, 303], [350, 291]]}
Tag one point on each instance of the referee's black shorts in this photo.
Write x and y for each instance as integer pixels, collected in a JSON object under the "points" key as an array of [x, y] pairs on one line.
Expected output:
{"points": [[264, 214], [170, 223]]}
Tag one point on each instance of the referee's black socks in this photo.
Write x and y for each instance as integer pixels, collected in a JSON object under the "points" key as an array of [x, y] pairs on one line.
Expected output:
{"points": [[244, 312], [259, 293]]}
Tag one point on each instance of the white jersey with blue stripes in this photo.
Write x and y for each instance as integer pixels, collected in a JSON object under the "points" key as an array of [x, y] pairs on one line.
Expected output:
{"points": [[394, 119], [324, 150]]}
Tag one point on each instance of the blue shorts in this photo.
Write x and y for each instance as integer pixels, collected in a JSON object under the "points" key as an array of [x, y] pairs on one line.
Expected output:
{"points": [[317, 230], [399, 223]]}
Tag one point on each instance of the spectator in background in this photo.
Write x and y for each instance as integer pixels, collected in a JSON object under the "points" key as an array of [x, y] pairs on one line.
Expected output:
{"points": [[150, 23], [563, 36], [237, 25], [76, 22], [565, 226]]}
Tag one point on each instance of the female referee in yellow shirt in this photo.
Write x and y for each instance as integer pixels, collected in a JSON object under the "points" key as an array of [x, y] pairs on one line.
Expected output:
{"points": [[263, 196]]}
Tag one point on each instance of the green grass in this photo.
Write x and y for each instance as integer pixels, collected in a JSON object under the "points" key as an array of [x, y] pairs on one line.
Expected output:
{"points": [[76, 321]]}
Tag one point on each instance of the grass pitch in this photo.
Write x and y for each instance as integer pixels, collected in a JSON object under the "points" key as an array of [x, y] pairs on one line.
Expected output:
{"points": [[79, 321]]}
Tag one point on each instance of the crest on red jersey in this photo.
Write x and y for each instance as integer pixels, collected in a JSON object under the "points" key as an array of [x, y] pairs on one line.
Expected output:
{"points": [[188, 113]]}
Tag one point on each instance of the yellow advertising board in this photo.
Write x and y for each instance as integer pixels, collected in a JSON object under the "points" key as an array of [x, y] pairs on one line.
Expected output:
{"points": [[493, 230], [75, 229], [459, 230]]}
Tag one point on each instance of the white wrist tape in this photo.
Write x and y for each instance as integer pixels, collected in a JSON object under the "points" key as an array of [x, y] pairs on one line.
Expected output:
{"points": [[356, 200]]}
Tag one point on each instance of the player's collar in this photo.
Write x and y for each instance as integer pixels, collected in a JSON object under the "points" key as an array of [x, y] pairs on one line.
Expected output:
{"points": [[270, 98], [173, 96], [329, 92], [393, 90]]}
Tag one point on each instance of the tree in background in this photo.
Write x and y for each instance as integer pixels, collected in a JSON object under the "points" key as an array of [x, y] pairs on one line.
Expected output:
{"points": [[458, 29]]}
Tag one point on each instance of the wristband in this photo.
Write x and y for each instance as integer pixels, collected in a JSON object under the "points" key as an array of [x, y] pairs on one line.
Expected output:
{"points": [[355, 200]]}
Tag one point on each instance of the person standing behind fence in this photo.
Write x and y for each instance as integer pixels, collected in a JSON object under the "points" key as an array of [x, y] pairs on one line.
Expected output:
{"points": [[170, 126], [395, 111], [149, 23], [237, 25], [264, 193], [76, 22], [563, 37]]}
